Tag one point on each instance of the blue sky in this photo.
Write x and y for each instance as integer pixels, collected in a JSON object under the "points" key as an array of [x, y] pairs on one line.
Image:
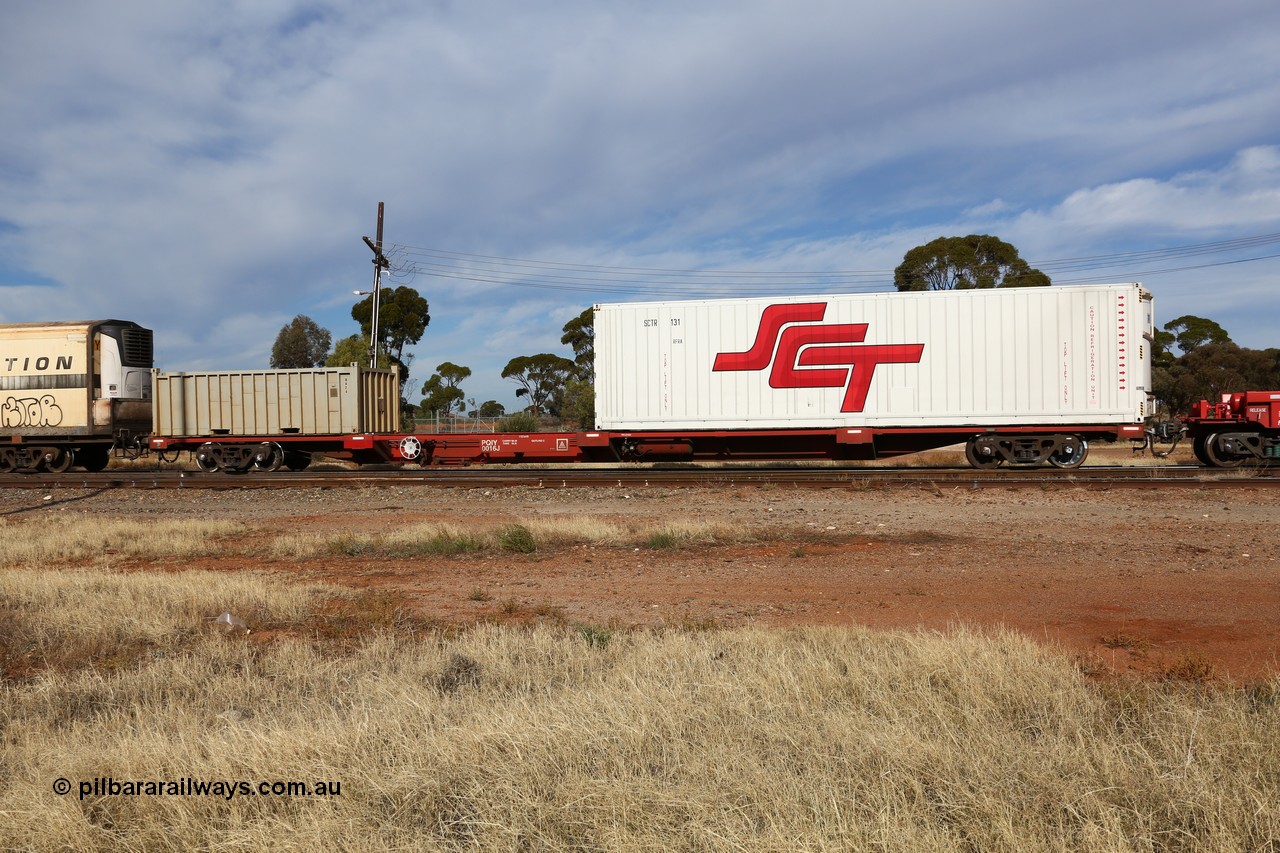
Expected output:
{"points": [[209, 169]]}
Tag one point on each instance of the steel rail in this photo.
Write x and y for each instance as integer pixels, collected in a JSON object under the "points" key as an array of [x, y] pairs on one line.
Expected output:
{"points": [[1099, 477]]}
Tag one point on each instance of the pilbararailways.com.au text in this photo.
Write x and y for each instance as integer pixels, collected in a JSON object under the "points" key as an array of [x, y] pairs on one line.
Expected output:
{"points": [[188, 787]]}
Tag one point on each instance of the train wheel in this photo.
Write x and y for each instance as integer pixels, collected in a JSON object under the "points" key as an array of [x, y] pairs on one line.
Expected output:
{"points": [[209, 458], [978, 459], [1214, 458], [93, 459], [56, 460], [8, 461], [1197, 447], [1072, 454], [268, 457]]}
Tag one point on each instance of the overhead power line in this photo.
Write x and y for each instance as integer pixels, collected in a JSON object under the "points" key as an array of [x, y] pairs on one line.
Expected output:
{"points": [[1149, 273], [411, 261]]}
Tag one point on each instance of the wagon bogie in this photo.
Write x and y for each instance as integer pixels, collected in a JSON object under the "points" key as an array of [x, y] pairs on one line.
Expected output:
{"points": [[1058, 449]]}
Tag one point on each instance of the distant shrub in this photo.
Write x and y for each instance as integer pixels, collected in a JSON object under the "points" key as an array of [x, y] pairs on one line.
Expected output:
{"points": [[597, 638], [518, 422], [662, 539], [449, 542], [350, 545], [518, 538]]}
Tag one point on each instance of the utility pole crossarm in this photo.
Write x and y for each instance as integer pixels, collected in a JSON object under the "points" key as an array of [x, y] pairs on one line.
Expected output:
{"points": [[378, 257]]}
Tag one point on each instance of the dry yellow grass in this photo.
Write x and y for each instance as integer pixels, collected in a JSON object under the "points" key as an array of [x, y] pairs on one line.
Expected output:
{"points": [[576, 530], [703, 532], [441, 538], [72, 618], [414, 539], [582, 739], [57, 540]]}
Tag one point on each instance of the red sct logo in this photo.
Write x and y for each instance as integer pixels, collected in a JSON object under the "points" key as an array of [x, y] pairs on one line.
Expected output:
{"points": [[814, 355]]}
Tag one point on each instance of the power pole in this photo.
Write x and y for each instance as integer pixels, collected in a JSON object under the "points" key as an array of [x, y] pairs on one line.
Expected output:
{"points": [[380, 263]]}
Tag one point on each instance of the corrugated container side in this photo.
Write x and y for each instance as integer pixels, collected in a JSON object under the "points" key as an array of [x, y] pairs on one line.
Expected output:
{"points": [[318, 401], [380, 401], [1074, 354]]}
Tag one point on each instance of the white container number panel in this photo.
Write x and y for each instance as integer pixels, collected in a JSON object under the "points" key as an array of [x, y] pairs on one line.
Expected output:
{"points": [[1018, 356]]}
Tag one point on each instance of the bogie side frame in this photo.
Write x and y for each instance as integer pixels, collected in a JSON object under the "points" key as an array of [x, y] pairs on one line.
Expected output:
{"points": [[56, 455]]}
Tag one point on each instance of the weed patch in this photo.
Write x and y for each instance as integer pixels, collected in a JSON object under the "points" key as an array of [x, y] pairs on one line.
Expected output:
{"points": [[517, 538], [595, 637], [662, 540]]}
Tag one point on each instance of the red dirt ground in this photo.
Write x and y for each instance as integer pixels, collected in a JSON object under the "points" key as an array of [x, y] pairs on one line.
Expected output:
{"points": [[1159, 583]]}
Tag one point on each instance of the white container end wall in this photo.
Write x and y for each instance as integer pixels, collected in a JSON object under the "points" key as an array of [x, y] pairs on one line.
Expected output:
{"points": [[1047, 355]]}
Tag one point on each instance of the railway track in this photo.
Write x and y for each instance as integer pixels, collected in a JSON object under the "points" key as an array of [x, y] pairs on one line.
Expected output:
{"points": [[826, 477]]}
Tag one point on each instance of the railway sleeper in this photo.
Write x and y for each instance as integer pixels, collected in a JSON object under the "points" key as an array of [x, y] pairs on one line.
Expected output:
{"points": [[1024, 451]]}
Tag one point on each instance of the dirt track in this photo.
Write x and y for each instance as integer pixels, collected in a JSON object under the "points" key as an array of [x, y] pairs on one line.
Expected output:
{"points": [[1129, 580]]}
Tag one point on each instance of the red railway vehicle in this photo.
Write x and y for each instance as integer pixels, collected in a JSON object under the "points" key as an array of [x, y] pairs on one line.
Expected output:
{"points": [[268, 419], [1020, 445], [1242, 427]]}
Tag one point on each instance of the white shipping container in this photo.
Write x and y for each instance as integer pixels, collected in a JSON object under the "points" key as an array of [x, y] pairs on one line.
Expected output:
{"points": [[1040, 355]]}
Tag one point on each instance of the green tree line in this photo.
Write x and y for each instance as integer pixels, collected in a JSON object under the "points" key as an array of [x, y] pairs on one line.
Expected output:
{"points": [[1206, 365], [553, 385]]}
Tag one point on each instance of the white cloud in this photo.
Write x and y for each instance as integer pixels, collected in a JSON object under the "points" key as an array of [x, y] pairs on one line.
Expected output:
{"points": [[1239, 199], [1243, 195]]}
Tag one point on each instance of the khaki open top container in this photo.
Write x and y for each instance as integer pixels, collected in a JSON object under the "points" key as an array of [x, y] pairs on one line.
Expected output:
{"points": [[314, 401]]}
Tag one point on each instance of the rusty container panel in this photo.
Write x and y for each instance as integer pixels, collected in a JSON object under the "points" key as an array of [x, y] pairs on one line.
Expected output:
{"points": [[312, 401]]}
